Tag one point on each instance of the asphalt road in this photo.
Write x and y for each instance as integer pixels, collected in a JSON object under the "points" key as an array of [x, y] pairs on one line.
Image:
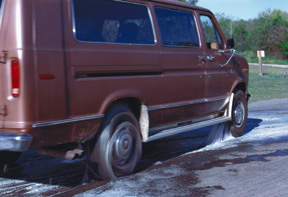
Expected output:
{"points": [[252, 165]]}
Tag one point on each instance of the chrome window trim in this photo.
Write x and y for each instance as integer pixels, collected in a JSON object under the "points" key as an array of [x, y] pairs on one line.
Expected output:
{"points": [[52, 123], [153, 25], [197, 28], [187, 103], [114, 43]]}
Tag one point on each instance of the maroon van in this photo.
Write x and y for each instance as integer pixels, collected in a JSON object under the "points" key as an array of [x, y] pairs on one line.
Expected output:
{"points": [[112, 74]]}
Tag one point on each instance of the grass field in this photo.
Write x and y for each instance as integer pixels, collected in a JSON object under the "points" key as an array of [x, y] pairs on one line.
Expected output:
{"points": [[251, 57], [269, 86], [268, 61]]}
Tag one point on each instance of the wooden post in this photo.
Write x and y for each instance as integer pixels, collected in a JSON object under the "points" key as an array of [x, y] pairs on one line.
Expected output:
{"points": [[260, 54], [260, 66]]}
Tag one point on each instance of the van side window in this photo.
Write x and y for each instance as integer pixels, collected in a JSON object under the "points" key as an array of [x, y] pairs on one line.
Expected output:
{"points": [[212, 35], [1, 5], [177, 28], [111, 22]]}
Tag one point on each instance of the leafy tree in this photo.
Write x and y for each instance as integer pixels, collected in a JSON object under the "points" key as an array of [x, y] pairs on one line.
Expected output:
{"points": [[271, 28], [268, 32], [226, 24], [236, 29], [284, 46], [241, 35]]}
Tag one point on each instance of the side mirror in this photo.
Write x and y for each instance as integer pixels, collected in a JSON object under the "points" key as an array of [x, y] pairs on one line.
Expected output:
{"points": [[230, 43]]}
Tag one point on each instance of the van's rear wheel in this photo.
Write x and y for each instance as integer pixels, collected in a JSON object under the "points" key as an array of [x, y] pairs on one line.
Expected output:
{"points": [[118, 147], [239, 114], [7, 158]]}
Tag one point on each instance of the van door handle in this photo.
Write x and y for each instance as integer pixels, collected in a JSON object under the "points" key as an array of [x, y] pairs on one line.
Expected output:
{"points": [[210, 57], [201, 57]]}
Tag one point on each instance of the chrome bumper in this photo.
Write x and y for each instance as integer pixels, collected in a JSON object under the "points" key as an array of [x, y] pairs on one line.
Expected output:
{"points": [[17, 143]]}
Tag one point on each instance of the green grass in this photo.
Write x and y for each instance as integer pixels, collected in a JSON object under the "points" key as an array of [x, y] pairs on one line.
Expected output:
{"points": [[269, 61], [252, 58], [271, 85]]}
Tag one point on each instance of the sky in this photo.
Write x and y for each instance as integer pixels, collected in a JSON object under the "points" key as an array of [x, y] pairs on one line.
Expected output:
{"points": [[243, 9]]}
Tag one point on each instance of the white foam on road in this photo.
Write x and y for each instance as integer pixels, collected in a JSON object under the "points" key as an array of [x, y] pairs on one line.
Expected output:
{"points": [[265, 131], [144, 184], [8, 187]]}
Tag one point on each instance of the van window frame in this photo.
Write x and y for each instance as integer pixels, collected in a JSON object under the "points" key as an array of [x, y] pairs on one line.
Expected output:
{"points": [[192, 12], [115, 43]]}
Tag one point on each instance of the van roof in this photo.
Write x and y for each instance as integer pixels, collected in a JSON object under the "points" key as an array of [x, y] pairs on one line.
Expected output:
{"points": [[180, 4]]}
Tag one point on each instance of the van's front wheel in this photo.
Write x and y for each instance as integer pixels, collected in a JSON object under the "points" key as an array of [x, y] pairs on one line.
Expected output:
{"points": [[236, 126], [118, 147], [239, 114]]}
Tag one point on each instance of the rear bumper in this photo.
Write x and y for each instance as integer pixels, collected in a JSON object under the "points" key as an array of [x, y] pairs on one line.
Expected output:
{"points": [[17, 143]]}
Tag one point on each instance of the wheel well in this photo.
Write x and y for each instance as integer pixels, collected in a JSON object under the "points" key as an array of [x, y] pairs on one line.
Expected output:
{"points": [[240, 86], [134, 105]]}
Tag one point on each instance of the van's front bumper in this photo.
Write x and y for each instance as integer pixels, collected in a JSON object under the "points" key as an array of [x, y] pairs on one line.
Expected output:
{"points": [[17, 143]]}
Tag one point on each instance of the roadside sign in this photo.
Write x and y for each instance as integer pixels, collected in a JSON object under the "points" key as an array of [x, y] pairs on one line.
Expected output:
{"points": [[260, 54]]}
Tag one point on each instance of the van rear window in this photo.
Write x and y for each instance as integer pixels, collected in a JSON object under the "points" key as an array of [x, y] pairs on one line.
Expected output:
{"points": [[177, 28], [112, 22]]}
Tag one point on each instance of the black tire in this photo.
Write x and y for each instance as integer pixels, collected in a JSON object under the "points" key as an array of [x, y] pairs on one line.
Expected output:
{"points": [[7, 158], [239, 114], [118, 147]]}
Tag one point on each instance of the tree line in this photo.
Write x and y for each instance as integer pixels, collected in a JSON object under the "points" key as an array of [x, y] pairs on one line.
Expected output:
{"points": [[269, 32]]}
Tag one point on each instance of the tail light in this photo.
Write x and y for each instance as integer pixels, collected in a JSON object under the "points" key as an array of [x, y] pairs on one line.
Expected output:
{"points": [[15, 75]]}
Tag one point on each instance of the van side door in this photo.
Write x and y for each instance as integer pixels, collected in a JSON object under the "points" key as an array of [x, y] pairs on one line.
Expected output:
{"points": [[183, 69], [219, 77]]}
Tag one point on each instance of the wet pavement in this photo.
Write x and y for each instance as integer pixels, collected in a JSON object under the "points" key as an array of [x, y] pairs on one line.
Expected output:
{"points": [[254, 165]]}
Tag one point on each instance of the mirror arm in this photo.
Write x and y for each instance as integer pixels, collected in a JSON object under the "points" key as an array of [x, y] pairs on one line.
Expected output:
{"points": [[233, 53]]}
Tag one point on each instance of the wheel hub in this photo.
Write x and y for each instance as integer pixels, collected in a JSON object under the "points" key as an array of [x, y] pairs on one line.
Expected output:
{"points": [[239, 113], [123, 146]]}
